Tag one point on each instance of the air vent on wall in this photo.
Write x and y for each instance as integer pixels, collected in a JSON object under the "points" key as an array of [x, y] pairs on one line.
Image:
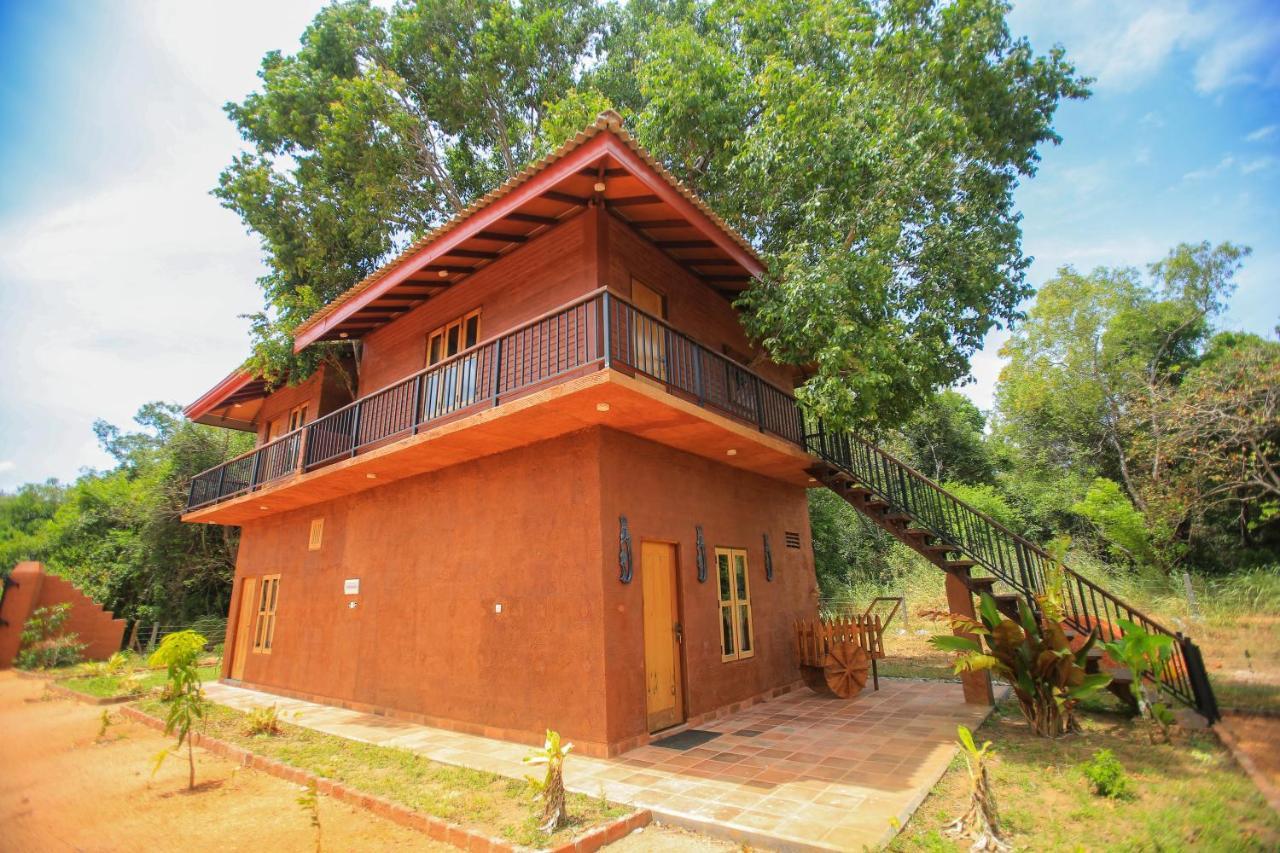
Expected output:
{"points": [[793, 538], [317, 534]]}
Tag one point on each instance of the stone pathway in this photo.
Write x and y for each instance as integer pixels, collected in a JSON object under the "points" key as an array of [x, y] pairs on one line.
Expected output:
{"points": [[800, 772]]}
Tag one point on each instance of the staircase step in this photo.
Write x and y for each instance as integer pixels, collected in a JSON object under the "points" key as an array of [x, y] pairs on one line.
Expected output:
{"points": [[982, 584], [963, 563], [896, 516], [1007, 604]]}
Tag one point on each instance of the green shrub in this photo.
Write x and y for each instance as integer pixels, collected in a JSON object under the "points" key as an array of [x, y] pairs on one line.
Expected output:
{"points": [[1106, 774], [262, 721], [43, 645]]}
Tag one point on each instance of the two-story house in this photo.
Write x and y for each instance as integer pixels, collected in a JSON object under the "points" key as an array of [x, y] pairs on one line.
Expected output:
{"points": [[568, 492], [555, 486]]}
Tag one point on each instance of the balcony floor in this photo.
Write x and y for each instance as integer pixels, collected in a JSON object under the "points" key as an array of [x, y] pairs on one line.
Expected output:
{"points": [[638, 406]]}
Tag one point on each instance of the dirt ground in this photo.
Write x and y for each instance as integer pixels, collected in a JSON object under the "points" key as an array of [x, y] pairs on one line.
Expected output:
{"points": [[64, 788], [1259, 738]]}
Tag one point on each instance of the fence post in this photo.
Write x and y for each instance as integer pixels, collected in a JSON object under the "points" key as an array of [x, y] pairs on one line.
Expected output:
{"points": [[222, 478], [417, 405], [608, 334], [355, 428], [497, 369], [257, 470]]}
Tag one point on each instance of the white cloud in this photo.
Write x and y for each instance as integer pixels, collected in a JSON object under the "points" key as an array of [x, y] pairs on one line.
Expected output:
{"points": [[1200, 174], [1125, 45], [1265, 132], [1248, 53], [1258, 165], [7, 465], [126, 287]]}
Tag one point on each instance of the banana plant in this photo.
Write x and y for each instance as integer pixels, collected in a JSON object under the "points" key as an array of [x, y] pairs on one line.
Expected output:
{"points": [[551, 788], [981, 821], [1032, 655], [1144, 654]]}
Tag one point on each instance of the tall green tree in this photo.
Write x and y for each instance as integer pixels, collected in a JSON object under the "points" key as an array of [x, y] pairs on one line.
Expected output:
{"points": [[868, 149], [384, 124]]}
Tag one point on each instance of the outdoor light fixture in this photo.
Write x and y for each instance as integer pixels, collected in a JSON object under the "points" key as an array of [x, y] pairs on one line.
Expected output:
{"points": [[599, 187], [342, 334], [263, 506], [602, 407], [371, 476], [731, 452], [443, 273]]}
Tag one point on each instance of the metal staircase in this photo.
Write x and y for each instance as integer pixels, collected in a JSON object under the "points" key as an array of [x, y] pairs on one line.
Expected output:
{"points": [[961, 539]]}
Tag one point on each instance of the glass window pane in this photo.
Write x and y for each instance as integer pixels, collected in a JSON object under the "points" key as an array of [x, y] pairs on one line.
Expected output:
{"points": [[473, 331], [722, 563], [433, 354], [451, 347], [744, 627], [275, 586], [726, 630], [740, 573]]}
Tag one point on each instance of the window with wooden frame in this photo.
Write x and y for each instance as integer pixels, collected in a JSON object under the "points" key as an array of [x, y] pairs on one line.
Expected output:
{"points": [[297, 417], [737, 635], [264, 627], [453, 337]]}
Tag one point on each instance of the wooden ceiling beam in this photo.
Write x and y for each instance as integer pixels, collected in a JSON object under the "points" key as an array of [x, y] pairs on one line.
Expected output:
{"points": [[660, 223], [533, 218], [608, 173], [632, 200], [566, 198], [684, 244], [501, 237], [471, 253]]}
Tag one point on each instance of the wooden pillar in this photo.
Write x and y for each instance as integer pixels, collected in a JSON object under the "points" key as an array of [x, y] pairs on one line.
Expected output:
{"points": [[977, 685]]}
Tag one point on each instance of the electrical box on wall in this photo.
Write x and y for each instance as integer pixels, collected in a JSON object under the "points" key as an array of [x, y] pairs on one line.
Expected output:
{"points": [[351, 586]]}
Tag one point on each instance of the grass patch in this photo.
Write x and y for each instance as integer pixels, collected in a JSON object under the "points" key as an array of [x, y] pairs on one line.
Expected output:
{"points": [[1188, 795], [487, 802], [111, 686]]}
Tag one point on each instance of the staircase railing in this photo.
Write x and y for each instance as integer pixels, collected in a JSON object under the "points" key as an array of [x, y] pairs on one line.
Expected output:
{"points": [[1017, 562]]}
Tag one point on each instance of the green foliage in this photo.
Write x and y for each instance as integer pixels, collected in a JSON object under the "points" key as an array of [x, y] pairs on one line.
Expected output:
{"points": [[1109, 509], [1144, 654], [1033, 657], [1106, 774], [988, 499], [179, 653], [264, 720], [116, 534], [945, 439], [869, 149], [44, 644]]}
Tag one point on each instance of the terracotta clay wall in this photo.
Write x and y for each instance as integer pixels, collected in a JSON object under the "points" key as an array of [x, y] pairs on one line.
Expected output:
{"points": [[537, 277], [435, 555], [102, 633], [665, 494], [536, 531]]}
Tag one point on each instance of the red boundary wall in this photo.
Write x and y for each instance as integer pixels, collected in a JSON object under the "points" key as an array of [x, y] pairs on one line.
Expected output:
{"points": [[32, 588]]}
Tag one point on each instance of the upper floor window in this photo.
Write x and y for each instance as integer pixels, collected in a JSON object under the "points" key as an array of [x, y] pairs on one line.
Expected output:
{"points": [[453, 337], [264, 629], [297, 417]]}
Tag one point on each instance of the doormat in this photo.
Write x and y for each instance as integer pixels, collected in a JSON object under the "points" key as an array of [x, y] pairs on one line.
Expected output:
{"points": [[687, 739]]}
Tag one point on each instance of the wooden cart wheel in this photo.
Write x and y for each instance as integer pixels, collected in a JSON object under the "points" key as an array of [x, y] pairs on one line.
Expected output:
{"points": [[846, 669]]}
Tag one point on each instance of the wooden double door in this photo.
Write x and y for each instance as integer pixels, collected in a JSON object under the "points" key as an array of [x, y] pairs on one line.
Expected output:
{"points": [[663, 637]]}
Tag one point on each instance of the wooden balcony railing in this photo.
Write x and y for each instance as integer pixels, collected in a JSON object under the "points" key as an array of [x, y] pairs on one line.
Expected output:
{"points": [[595, 331]]}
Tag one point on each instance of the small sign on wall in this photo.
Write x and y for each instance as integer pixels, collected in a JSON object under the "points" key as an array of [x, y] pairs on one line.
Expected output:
{"points": [[351, 586]]}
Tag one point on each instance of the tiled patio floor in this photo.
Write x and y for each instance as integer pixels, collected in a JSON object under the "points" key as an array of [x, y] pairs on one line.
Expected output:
{"points": [[800, 772]]}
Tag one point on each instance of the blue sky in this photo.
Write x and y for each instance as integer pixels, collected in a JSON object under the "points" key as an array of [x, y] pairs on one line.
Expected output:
{"points": [[122, 280]]}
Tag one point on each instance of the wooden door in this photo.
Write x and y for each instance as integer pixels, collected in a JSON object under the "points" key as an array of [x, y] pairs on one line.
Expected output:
{"points": [[244, 626], [649, 338], [664, 689]]}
